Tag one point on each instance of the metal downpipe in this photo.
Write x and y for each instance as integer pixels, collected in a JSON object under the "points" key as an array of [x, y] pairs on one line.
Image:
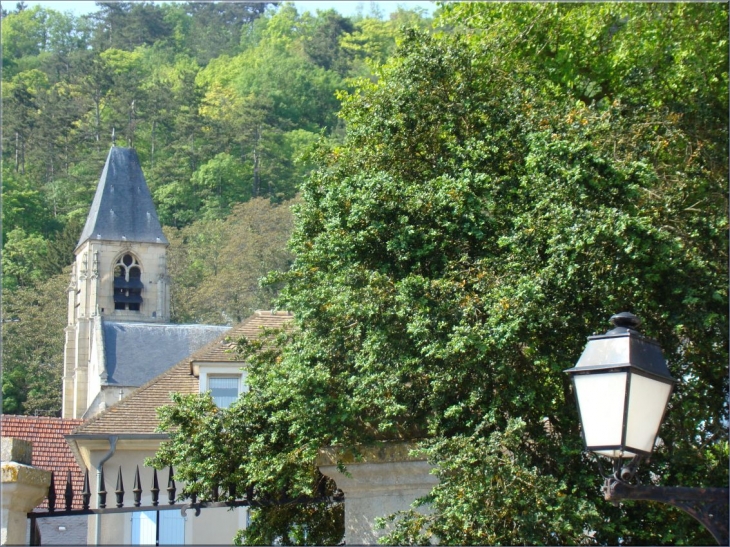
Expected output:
{"points": [[107, 456]]}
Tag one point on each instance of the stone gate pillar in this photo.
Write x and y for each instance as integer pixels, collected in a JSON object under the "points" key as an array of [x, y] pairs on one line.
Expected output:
{"points": [[384, 480], [23, 488]]}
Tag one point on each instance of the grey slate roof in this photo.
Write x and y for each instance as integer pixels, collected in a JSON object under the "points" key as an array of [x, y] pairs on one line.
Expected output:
{"points": [[122, 209], [136, 413], [137, 352]]}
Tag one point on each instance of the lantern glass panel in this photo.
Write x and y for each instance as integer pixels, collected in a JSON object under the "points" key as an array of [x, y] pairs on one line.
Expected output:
{"points": [[647, 401], [607, 351], [601, 398]]}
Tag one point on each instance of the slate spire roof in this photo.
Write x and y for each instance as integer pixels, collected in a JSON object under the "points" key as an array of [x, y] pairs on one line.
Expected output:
{"points": [[122, 209]]}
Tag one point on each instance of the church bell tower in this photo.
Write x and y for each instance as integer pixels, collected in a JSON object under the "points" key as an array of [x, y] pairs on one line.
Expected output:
{"points": [[119, 273]]}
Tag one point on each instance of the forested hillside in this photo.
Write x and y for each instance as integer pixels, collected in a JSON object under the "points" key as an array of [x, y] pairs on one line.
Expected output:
{"points": [[222, 101]]}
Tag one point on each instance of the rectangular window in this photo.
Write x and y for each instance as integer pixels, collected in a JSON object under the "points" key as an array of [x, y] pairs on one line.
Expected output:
{"points": [[223, 389]]}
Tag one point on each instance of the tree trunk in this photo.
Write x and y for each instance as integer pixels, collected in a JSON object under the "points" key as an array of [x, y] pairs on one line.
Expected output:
{"points": [[256, 176], [152, 150], [130, 126], [255, 190], [97, 105]]}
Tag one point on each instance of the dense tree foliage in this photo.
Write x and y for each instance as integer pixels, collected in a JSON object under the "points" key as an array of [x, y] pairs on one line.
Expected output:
{"points": [[500, 192], [219, 99], [215, 265], [226, 436], [32, 336]]}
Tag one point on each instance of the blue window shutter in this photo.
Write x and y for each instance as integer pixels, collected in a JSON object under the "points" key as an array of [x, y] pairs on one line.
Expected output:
{"points": [[143, 528], [172, 528]]}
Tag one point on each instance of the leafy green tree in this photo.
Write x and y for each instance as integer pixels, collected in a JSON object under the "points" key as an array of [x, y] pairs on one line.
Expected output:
{"points": [[67, 35], [223, 182], [23, 255], [373, 39], [61, 246], [20, 98], [61, 108], [217, 27], [301, 92], [23, 37], [254, 108], [23, 207], [128, 25], [32, 333], [296, 524], [216, 265], [284, 523], [94, 83], [180, 148], [636, 52], [126, 94], [323, 47], [160, 104], [451, 256], [284, 61]]}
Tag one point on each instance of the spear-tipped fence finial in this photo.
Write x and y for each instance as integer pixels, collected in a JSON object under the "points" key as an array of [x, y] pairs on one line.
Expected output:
{"points": [[102, 490], [69, 493], [52, 494], [171, 487], [137, 490], [86, 492], [155, 489], [119, 492]]}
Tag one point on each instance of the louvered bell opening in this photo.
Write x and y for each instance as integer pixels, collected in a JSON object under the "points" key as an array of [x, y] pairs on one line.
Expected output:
{"points": [[124, 298], [133, 283]]}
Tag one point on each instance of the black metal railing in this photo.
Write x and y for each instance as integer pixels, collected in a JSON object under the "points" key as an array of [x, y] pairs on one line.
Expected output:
{"points": [[248, 500]]}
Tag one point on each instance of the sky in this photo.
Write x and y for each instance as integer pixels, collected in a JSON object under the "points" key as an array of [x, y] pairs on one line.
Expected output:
{"points": [[344, 7]]}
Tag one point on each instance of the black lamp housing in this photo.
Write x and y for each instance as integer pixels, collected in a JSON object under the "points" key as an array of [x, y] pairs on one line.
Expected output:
{"points": [[622, 386]]}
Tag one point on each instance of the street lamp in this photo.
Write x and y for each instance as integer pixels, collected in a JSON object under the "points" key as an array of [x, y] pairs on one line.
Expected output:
{"points": [[622, 385]]}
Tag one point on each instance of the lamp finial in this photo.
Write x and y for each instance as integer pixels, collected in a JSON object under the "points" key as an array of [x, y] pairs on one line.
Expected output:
{"points": [[626, 320]]}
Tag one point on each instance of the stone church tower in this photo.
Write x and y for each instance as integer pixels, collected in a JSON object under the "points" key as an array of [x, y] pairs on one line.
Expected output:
{"points": [[119, 275]]}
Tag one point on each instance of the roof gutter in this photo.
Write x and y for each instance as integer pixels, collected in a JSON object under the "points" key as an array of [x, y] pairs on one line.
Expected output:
{"points": [[119, 436], [73, 441]]}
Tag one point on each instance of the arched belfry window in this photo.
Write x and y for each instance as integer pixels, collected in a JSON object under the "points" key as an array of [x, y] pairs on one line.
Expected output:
{"points": [[127, 283]]}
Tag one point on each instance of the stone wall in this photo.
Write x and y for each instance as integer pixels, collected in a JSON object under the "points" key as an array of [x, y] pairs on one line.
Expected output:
{"points": [[383, 480], [23, 487]]}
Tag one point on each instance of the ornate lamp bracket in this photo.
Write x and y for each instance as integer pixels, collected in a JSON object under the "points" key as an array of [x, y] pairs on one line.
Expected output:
{"points": [[709, 506]]}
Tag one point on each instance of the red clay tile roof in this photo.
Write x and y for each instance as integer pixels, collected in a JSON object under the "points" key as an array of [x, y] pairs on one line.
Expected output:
{"points": [[50, 450], [137, 414]]}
